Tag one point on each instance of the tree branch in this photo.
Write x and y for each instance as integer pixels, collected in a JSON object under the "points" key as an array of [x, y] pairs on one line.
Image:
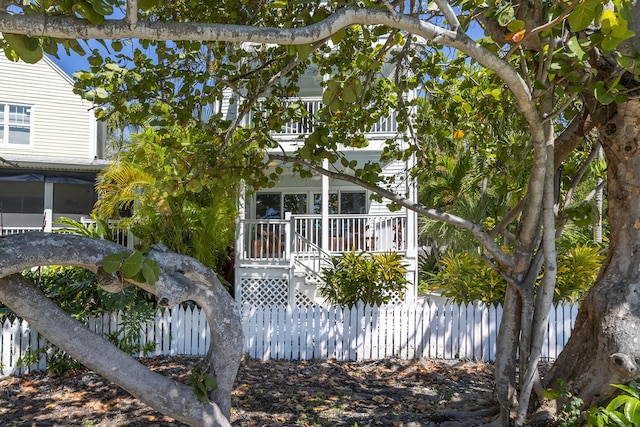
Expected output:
{"points": [[480, 233], [181, 279]]}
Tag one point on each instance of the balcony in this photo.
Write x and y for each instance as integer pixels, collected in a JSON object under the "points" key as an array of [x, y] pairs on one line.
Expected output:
{"points": [[383, 128], [277, 241]]}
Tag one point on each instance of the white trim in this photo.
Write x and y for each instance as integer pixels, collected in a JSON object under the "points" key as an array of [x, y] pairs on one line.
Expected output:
{"points": [[4, 120]]}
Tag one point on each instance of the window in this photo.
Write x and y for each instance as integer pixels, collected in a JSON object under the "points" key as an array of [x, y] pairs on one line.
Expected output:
{"points": [[270, 205], [15, 124], [73, 198], [22, 197], [353, 202]]}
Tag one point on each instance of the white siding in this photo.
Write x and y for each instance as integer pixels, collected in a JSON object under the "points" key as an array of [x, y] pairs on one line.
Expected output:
{"points": [[62, 121]]}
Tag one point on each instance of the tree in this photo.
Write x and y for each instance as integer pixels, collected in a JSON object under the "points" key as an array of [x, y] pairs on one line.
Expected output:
{"points": [[565, 69], [180, 279]]}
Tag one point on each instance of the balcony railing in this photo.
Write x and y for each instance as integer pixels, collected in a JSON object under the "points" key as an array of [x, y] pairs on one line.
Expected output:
{"points": [[306, 125], [277, 240]]}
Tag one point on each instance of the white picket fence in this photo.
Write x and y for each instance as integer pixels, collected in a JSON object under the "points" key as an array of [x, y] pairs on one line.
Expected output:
{"points": [[419, 330]]}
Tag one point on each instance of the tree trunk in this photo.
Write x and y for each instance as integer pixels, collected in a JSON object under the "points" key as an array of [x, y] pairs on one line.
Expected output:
{"points": [[604, 347], [181, 279]]}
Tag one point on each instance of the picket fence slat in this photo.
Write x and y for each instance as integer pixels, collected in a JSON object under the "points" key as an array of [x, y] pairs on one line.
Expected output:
{"points": [[418, 330]]}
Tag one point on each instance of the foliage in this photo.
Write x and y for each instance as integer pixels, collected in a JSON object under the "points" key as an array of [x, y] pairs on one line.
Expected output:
{"points": [[569, 414], [622, 410], [427, 268], [190, 212], [76, 291], [97, 228], [133, 266], [374, 279], [465, 278], [203, 383], [578, 268]]}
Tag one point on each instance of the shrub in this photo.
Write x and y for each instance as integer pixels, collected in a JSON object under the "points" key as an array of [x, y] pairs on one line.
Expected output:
{"points": [[622, 410], [371, 278]]}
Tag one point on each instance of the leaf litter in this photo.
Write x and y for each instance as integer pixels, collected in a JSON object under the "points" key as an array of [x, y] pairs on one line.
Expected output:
{"points": [[315, 393]]}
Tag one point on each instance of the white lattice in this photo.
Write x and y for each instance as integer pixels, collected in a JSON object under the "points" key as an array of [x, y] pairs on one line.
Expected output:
{"points": [[303, 301], [264, 291]]}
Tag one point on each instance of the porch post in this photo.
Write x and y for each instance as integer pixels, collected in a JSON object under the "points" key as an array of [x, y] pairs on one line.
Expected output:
{"points": [[239, 243], [48, 207], [325, 208]]}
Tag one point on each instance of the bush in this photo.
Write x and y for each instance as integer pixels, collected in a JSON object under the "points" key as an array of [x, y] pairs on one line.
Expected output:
{"points": [[374, 279], [463, 277], [623, 410]]}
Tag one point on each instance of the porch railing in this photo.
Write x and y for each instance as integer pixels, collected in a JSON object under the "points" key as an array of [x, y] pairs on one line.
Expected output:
{"points": [[276, 240], [306, 124]]}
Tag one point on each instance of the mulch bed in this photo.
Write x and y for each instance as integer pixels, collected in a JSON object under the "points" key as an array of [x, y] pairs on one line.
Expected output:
{"points": [[388, 392]]}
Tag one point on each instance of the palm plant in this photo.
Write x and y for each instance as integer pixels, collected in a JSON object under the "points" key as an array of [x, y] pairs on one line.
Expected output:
{"points": [[192, 215]]}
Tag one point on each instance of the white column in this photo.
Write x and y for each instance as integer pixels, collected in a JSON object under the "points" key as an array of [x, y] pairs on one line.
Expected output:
{"points": [[48, 207], [325, 208], [239, 246]]}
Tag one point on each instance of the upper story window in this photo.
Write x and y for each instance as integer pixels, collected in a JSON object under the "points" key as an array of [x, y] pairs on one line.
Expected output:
{"points": [[15, 124]]}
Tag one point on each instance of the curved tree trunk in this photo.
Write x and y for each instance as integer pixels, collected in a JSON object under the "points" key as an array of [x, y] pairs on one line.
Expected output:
{"points": [[181, 279], [604, 347]]}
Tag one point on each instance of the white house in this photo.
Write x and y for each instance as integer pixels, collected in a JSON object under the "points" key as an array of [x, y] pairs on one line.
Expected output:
{"points": [[50, 147], [285, 234]]}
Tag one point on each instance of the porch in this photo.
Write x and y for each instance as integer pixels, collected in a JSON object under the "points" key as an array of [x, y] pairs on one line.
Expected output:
{"points": [[280, 261]]}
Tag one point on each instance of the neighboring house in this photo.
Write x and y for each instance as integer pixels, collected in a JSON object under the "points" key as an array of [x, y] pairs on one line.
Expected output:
{"points": [[51, 147], [285, 234]]}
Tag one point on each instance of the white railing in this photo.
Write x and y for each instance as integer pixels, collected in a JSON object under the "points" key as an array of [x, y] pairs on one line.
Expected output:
{"points": [[8, 231], [271, 239], [310, 106], [418, 330], [264, 240], [120, 235], [374, 233]]}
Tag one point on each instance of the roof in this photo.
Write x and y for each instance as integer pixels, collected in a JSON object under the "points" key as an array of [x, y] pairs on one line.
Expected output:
{"points": [[59, 164]]}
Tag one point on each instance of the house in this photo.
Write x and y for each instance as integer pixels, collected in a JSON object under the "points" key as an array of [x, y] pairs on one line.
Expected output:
{"points": [[286, 234], [51, 147]]}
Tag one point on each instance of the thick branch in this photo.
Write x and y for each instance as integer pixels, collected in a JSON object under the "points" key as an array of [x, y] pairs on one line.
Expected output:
{"points": [[72, 28], [98, 354], [181, 279]]}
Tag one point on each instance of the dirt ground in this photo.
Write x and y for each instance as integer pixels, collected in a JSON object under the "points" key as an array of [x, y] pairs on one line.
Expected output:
{"points": [[388, 392]]}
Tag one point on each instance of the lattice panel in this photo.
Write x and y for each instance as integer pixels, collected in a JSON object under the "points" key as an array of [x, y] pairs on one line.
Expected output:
{"points": [[264, 291], [303, 301]]}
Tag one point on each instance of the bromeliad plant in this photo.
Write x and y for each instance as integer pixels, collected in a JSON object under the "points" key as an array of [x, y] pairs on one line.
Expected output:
{"points": [[374, 279]]}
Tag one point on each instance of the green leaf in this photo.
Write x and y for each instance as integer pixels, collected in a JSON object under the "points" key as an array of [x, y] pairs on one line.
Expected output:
{"points": [[85, 10], [27, 48], [101, 8], [583, 14], [629, 389], [576, 48], [150, 271], [211, 383], [337, 37], [632, 411], [132, 264], [505, 15], [148, 4], [349, 94], [111, 263], [515, 25], [602, 94], [304, 50]]}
